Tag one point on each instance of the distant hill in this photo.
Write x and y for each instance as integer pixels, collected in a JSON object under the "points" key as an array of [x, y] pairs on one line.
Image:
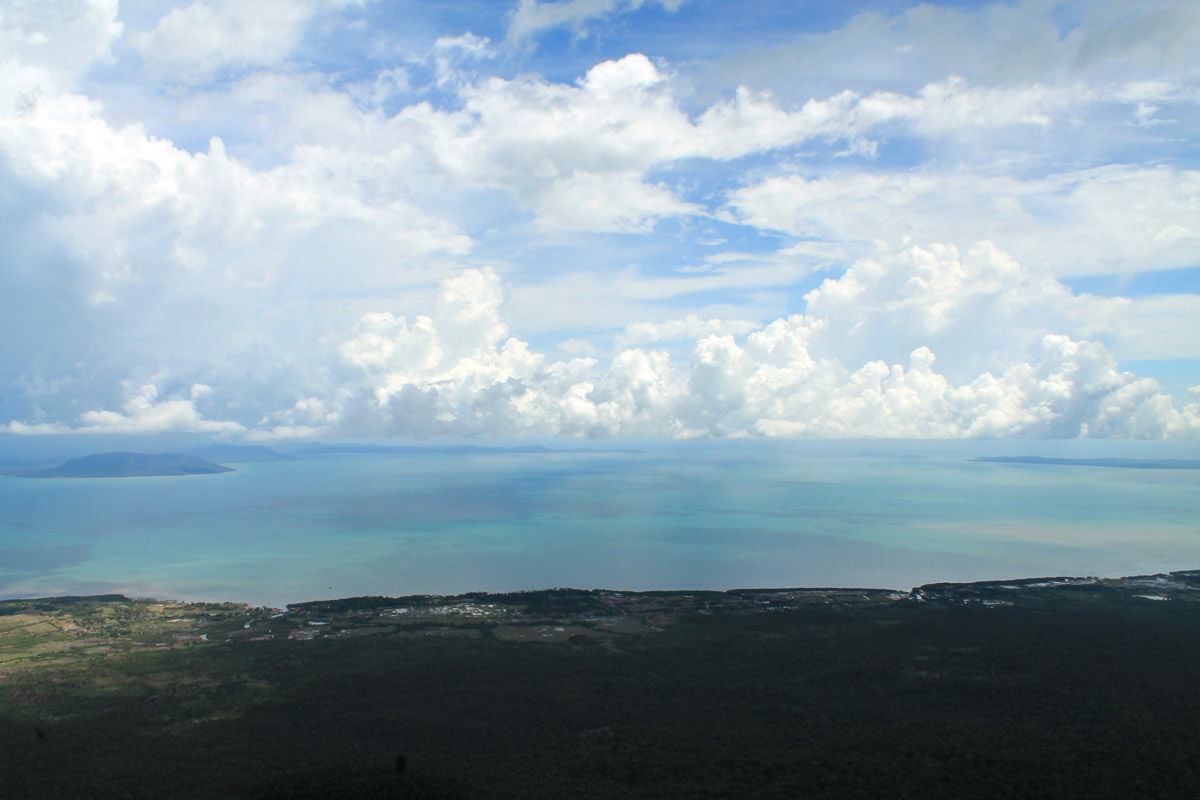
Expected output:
{"points": [[1126, 463], [130, 465], [407, 450], [235, 453], [318, 449]]}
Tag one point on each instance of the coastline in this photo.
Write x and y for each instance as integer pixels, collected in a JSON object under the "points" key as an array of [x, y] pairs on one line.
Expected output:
{"points": [[112, 623]]}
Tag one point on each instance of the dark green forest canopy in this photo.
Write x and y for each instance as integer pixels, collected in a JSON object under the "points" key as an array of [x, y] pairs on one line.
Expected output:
{"points": [[1064, 687]]}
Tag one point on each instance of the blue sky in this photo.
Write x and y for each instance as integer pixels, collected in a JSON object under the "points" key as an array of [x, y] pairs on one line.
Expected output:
{"points": [[602, 218]]}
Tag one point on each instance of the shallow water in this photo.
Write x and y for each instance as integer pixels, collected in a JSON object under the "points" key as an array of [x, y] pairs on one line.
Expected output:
{"points": [[683, 515]]}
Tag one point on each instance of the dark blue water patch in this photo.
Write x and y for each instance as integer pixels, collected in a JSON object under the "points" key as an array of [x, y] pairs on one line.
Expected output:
{"points": [[455, 497], [26, 561], [458, 504]]}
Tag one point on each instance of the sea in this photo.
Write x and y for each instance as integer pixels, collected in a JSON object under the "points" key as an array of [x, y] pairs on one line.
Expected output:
{"points": [[635, 516]]}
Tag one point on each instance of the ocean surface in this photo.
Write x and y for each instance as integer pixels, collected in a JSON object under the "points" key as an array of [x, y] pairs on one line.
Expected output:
{"points": [[681, 515]]}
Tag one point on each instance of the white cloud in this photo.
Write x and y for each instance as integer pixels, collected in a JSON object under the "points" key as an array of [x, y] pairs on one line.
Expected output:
{"points": [[144, 412], [1114, 219], [285, 263], [46, 45], [756, 121], [35, 429], [135, 254], [579, 156], [578, 347], [424, 377], [196, 42], [921, 342], [689, 327], [994, 44], [614, 203], [978, 311], [62, 34], [133, 204], [575, 155], [450, 52], [141, 412], [825, 373], [532, 17], [384, 86]]}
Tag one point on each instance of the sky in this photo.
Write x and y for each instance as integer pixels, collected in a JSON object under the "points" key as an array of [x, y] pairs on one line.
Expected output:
{"points": [[600, 218]]}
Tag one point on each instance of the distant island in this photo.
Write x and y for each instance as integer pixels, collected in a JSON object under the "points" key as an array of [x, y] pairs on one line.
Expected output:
{"points": [[1125, 463], [211, 458], [129, 465]]}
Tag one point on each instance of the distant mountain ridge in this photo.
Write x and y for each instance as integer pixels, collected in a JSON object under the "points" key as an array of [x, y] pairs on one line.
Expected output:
{"points": [[210, 458], [1125, 463], [235, 453], [130, 465], [318, 449]]}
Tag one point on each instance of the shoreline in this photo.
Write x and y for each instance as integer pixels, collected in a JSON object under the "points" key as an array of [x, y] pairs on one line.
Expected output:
{"points": [[1173, 580], [61, 630]]}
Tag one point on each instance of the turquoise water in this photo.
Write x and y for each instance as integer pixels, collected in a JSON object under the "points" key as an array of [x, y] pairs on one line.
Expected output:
{"points": [[686, 515]]}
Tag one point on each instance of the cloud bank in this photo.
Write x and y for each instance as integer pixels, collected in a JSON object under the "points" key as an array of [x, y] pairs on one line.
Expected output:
{"points": [[460, 371], [232, 218]]}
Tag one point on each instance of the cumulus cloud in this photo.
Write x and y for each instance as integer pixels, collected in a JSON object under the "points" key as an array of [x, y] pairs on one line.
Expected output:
{"points": [[575, 155], [978, 310], [689, 327], [917, 342], [129, 197], [284, 262], [821, 373], [126, 252], [579, 156], [434, 374], [142, 412]]}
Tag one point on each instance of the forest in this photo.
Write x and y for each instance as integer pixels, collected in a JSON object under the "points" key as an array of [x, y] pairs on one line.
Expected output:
{"points": [[1071, 689]]}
